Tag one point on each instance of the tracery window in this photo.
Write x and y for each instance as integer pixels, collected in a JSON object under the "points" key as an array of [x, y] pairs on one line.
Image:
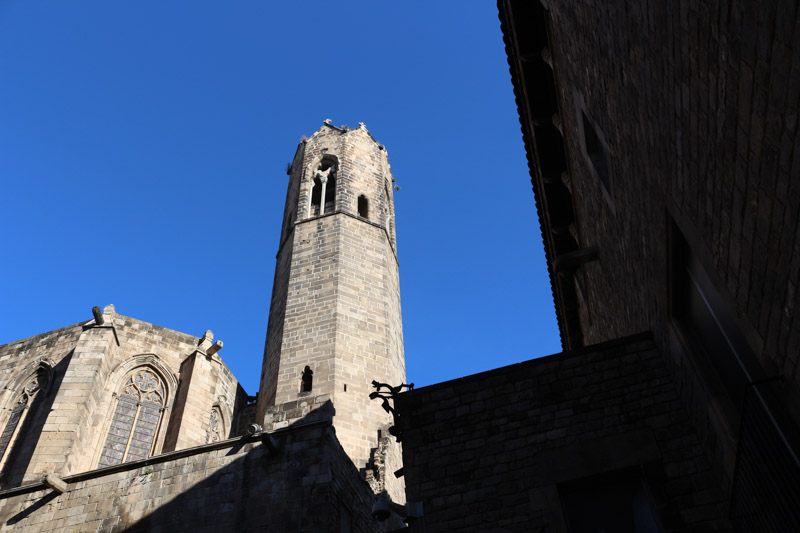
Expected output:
{"points": [[214, 431], [21, 417], [323, 191], [330, 195], [136, 420], [316, 196]]}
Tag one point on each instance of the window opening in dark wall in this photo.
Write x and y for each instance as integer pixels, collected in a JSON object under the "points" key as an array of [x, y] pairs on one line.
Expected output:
{"points": [[306, 381], [363, 206], [597, 152]]}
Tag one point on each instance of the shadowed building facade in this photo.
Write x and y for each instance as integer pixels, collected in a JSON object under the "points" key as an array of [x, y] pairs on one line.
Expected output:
{"points": [[662, 145]]}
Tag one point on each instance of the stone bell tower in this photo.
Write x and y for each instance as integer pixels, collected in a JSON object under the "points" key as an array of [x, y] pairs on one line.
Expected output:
{"points": [[334, 321]]}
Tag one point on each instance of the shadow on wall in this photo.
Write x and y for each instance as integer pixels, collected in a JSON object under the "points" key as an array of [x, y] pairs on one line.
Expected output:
{"points": [[23, 444], [234, 484], [300, 479], [28, 511], [307, 484], [240, 488]]}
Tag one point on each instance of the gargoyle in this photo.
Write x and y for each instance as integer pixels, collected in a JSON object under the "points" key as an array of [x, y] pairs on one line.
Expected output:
{"points": [[386, 392]]}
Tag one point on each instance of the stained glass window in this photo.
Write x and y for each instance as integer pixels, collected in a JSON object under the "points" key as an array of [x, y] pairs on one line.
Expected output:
{"points": [[20, 418], [11, 425], [136, 419]]}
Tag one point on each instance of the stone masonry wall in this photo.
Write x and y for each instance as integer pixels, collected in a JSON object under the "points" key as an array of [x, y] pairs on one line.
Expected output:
{"points": [[18, 361], [698, 103], [491, 451], [54, 345], [277, 306], [308, 484]]}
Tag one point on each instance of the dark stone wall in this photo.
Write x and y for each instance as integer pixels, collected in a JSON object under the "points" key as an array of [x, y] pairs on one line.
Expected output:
{"points": [[698, 104], [695, 103], [491, 451], [308, 484]]}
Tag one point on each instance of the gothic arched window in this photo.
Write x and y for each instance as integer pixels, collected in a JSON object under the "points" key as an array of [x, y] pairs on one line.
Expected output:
{"points": [[21, 417], [136, 419], [214, 431], [323, 190], [330, 194], [316, 196]]}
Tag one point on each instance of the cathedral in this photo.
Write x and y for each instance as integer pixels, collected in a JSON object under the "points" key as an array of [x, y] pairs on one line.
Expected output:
{"points": [[115, 424], [662, 146]]}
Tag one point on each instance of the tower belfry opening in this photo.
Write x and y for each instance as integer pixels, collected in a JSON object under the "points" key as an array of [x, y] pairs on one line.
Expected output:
{"points": [[316, 196], [323, 191], [330, 195]]}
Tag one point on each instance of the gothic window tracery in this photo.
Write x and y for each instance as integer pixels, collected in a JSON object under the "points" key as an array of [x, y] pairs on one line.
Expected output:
{"points": [[330, 194], [214, 431], [21, 416], [136, 419], [323, 191], [316, 195]]}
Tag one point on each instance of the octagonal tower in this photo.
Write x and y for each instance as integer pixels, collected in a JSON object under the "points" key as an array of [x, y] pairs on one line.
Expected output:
{"points": [[335, 323]]}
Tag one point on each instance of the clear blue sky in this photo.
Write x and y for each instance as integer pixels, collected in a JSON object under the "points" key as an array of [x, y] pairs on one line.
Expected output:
{"points": [[143, 148]]}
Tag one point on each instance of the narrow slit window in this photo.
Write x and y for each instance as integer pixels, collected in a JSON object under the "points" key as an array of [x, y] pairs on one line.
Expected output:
{"points": [[306, 381], [363, 206], [597, 152]]}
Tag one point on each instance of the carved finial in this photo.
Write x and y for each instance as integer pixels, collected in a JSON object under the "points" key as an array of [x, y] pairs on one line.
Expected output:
{"points": [[206, 340], [361, 125], [109, 309], [327, 121]]}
